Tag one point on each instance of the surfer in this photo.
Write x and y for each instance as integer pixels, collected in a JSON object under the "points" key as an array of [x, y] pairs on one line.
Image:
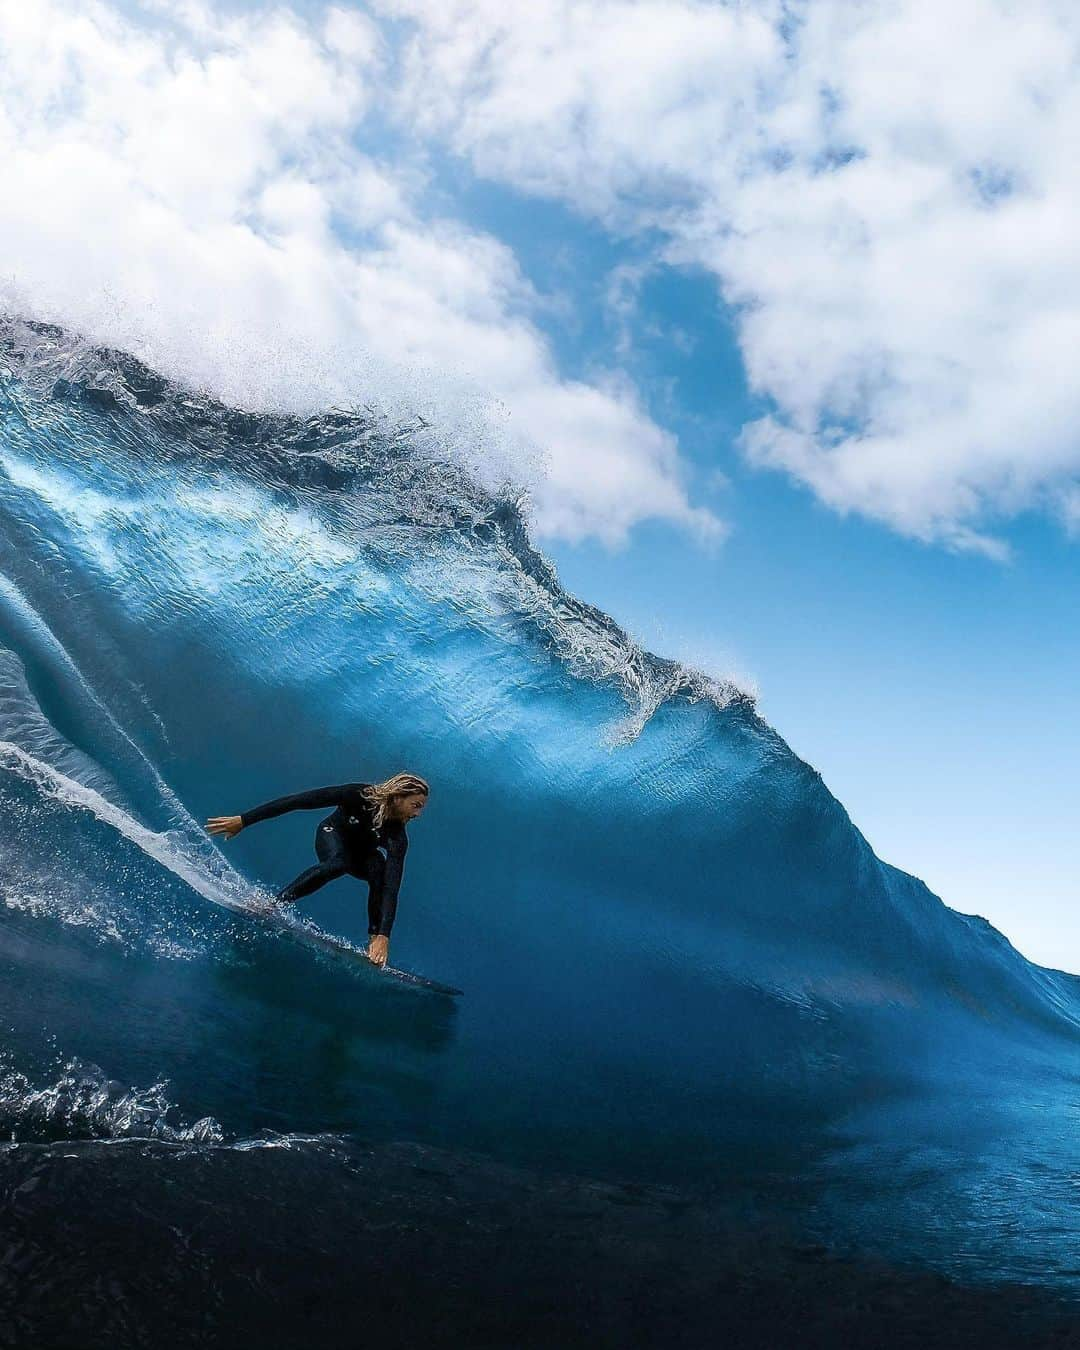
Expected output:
{"points": [[369, 817]]}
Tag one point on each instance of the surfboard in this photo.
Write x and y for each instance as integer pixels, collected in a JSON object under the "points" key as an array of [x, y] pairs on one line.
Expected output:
{"points": [[303, 930]]}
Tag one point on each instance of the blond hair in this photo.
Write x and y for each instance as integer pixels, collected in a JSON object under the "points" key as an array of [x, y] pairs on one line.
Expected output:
{"points": [[401, 785]]}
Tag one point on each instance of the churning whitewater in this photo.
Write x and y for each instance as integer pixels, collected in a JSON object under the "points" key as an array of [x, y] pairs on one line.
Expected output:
{"points": [[681, 960]]}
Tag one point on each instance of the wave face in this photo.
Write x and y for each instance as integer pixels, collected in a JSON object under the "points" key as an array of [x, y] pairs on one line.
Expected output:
{"points": [[680, 957]]}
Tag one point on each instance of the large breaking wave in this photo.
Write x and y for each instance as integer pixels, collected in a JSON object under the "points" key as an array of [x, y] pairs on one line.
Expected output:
{"points": [[681, 958]]}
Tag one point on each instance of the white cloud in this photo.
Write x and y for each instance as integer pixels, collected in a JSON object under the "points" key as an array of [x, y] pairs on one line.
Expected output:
{"points": [[194, 188], [887, 191]]}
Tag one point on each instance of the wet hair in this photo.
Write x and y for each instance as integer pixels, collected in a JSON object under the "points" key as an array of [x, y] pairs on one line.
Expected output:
{"points": [[401, 785]]}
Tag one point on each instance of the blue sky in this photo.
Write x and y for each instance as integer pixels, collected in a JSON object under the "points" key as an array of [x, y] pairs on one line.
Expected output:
{"points": [[771, 307]]}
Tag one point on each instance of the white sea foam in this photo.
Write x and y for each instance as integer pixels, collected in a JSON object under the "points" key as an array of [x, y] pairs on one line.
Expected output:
{"points": [[83, 1103]]}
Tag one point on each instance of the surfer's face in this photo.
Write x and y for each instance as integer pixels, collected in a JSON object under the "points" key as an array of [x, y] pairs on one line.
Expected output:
{"points": [[408, 808]]}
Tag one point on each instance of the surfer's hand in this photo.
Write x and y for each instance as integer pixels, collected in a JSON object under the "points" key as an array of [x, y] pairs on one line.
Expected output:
{"points": [[378, 949], [226, 825]]}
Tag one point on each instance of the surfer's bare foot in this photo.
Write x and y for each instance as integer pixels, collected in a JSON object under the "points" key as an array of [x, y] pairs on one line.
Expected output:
{"points": [[378, 949], [226, 825]]}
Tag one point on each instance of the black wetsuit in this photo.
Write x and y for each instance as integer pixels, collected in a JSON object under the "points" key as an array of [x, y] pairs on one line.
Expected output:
{"points": [[346, 844]]}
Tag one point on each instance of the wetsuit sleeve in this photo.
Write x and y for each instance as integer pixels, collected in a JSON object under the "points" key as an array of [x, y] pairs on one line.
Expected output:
{"points": [[382, 910], [299, 801]]}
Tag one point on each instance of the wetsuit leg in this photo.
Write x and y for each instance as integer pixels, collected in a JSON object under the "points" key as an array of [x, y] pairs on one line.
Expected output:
{"points": [[333, 863]]}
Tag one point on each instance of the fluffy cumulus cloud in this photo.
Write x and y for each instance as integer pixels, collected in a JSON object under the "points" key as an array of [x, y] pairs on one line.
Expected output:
{"points": [[886, 191], [192, 184]]}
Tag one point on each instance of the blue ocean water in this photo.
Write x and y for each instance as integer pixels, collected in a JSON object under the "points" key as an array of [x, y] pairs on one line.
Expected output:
{"points": [[681, 959]]}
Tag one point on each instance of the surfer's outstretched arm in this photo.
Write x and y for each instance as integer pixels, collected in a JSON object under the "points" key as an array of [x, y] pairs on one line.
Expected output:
{"points": [[299, 801], [229, 826]]}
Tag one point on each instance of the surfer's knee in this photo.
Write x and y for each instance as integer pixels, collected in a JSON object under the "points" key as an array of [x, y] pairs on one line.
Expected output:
{"points": [[309, 881]]}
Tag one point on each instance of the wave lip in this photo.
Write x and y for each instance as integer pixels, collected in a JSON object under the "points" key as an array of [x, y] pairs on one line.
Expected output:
{"points": [[429, 489]]}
